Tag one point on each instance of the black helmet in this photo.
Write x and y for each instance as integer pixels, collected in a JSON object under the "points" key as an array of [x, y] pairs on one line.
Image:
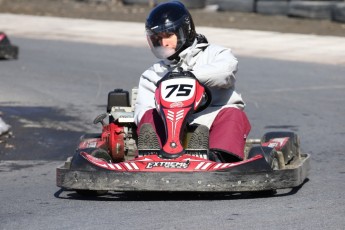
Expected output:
{"points": [[170, 17]]}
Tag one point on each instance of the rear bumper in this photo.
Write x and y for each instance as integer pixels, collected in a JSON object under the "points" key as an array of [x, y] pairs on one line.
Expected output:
{"points": [[216, 181]]}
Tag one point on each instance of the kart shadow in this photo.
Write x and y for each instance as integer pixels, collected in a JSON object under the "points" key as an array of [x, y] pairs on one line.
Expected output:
{"points": [[177, 196]]}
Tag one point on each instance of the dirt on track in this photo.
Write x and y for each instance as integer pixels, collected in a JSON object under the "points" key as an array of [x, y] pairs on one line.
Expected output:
{"points": [[116, 11]]}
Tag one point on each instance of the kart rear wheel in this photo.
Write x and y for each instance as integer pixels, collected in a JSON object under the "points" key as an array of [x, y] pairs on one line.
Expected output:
{"points": [[101, 154], [90, 136]]}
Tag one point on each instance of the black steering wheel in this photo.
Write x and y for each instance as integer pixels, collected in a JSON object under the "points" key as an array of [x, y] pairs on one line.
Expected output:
{"points": [[207, 101]]}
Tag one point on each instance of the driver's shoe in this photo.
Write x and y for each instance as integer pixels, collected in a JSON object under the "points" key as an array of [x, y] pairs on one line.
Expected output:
{"points": [[148, 138], [199, 138]]}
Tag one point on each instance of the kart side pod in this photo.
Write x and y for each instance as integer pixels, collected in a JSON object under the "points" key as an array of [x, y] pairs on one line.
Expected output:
{"points": [[7, 50]]}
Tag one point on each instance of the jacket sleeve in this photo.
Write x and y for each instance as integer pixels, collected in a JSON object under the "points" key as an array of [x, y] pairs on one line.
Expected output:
{"points": [[145, 98], [217, 68]]}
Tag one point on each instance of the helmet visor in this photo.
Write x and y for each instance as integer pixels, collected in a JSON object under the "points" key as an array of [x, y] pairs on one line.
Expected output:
{"points": [[156, 34]]}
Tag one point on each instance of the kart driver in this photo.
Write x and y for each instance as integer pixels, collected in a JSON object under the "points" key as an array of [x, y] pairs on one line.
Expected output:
{"points": [[172, 37]]}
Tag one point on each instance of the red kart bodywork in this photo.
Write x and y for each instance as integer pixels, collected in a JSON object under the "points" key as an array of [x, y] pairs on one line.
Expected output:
{"points": [[153, 163], [174, 111], [112, 138]]}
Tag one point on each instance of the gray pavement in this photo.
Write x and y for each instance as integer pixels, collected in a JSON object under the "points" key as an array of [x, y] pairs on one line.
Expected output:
{"points": [[282, 46], [57, 88]]}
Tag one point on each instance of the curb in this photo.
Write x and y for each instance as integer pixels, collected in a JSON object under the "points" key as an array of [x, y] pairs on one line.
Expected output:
{"points": [[236, 5], [269, 7], [338, 13], [313, 10], [333, 10]]}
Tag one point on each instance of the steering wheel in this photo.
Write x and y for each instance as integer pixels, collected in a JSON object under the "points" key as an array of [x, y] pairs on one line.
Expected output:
{"points": [[188, 74], [207, 101]]}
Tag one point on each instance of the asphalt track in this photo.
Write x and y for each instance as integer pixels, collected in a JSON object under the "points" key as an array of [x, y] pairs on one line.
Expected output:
{"points": [[51, 94]]}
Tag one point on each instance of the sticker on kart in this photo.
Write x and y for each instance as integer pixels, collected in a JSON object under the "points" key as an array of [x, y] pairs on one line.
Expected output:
{"points": [[187, 164]]}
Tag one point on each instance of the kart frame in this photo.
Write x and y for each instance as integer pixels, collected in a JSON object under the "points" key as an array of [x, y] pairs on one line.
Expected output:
{"points": [[7, 50], [279, 165], [239, 179]]}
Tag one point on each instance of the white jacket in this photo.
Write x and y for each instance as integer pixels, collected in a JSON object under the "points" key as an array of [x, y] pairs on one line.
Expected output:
{"points": [[213, 65]]}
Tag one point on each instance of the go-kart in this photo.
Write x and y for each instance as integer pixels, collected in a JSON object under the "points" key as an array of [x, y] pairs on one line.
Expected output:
{"points": [[116, 159], [7, 50]]}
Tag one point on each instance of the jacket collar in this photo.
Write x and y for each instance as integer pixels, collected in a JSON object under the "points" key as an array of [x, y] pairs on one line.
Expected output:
{"points": [[187, 57]]}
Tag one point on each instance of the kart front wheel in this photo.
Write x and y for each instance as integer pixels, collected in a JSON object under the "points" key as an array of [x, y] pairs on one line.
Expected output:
{"points": [[273, 160], [269, 154], [291, 150]]}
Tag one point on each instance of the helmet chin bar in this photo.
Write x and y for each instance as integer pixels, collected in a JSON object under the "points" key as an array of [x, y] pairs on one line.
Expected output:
{"points": [[162, 52]]}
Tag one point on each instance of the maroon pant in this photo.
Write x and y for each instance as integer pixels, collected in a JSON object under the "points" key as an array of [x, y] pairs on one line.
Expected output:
{"points": [[228, 131]]}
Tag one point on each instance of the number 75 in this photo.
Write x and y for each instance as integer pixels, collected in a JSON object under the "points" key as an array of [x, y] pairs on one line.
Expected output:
{"points": [[182, 89]]}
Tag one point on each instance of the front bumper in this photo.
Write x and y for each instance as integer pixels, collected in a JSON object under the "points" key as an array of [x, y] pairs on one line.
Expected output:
{"points": [[216, 181]]}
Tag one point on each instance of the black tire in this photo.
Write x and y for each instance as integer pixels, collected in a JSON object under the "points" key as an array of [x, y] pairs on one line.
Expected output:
{"points": [[311, 10], [338, 12], [292, 149], [91, 193], [269, 7], [272, 159], [90, 136], [264, 193], [237, 5], [268, 153], [101, 154]]}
